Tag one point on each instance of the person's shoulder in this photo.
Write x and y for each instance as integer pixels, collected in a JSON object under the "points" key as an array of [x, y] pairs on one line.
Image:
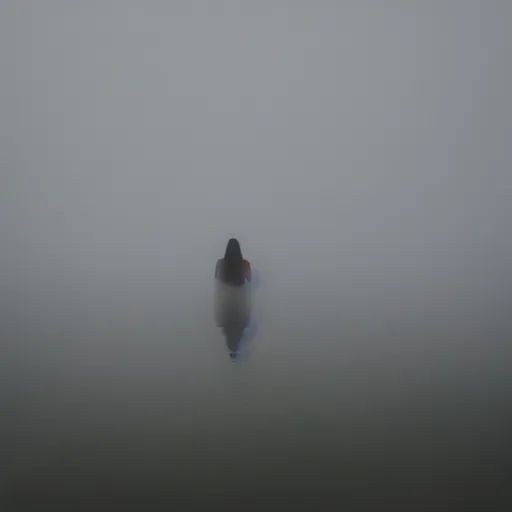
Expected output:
{"points": [[247, 270]]}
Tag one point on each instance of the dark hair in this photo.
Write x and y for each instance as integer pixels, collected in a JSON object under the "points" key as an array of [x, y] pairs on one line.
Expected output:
{"points": [[233, 264]]}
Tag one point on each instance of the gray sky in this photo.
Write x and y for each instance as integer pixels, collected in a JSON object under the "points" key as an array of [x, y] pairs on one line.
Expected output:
{"points": [[346, 145]]}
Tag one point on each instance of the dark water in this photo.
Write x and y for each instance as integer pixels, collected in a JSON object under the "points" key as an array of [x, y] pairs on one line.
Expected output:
{"points": [[141, 404]]}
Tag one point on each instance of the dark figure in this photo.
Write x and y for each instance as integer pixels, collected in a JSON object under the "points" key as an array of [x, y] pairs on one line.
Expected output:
{"points": [[233, 270], [232, 308]]}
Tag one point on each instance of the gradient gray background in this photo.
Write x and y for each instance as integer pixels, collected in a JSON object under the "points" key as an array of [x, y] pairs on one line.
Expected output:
{"points": [[361, 152]]}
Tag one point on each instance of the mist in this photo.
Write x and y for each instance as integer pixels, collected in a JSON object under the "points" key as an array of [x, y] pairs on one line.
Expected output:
{"points": [[360, 154]]}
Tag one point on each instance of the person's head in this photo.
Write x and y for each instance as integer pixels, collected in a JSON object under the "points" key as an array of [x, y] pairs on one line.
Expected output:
{"points": [[232, 270], [233, 251]]}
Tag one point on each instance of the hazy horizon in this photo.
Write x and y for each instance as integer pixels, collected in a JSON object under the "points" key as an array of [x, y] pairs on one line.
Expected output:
{"points": [[361, 155]]}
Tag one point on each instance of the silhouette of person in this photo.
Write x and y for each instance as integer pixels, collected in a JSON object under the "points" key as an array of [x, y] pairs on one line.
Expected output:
{"points": [[233, 308]]}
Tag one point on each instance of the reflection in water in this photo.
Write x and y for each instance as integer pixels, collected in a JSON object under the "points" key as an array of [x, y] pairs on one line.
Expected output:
{"points": [[233, 316]]}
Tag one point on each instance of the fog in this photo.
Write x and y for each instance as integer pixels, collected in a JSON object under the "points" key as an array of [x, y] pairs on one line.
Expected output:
{"points": [[359, 152]]}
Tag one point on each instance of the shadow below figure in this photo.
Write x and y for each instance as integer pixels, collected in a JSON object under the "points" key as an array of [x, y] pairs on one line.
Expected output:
{"points": [[233, 316]]}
